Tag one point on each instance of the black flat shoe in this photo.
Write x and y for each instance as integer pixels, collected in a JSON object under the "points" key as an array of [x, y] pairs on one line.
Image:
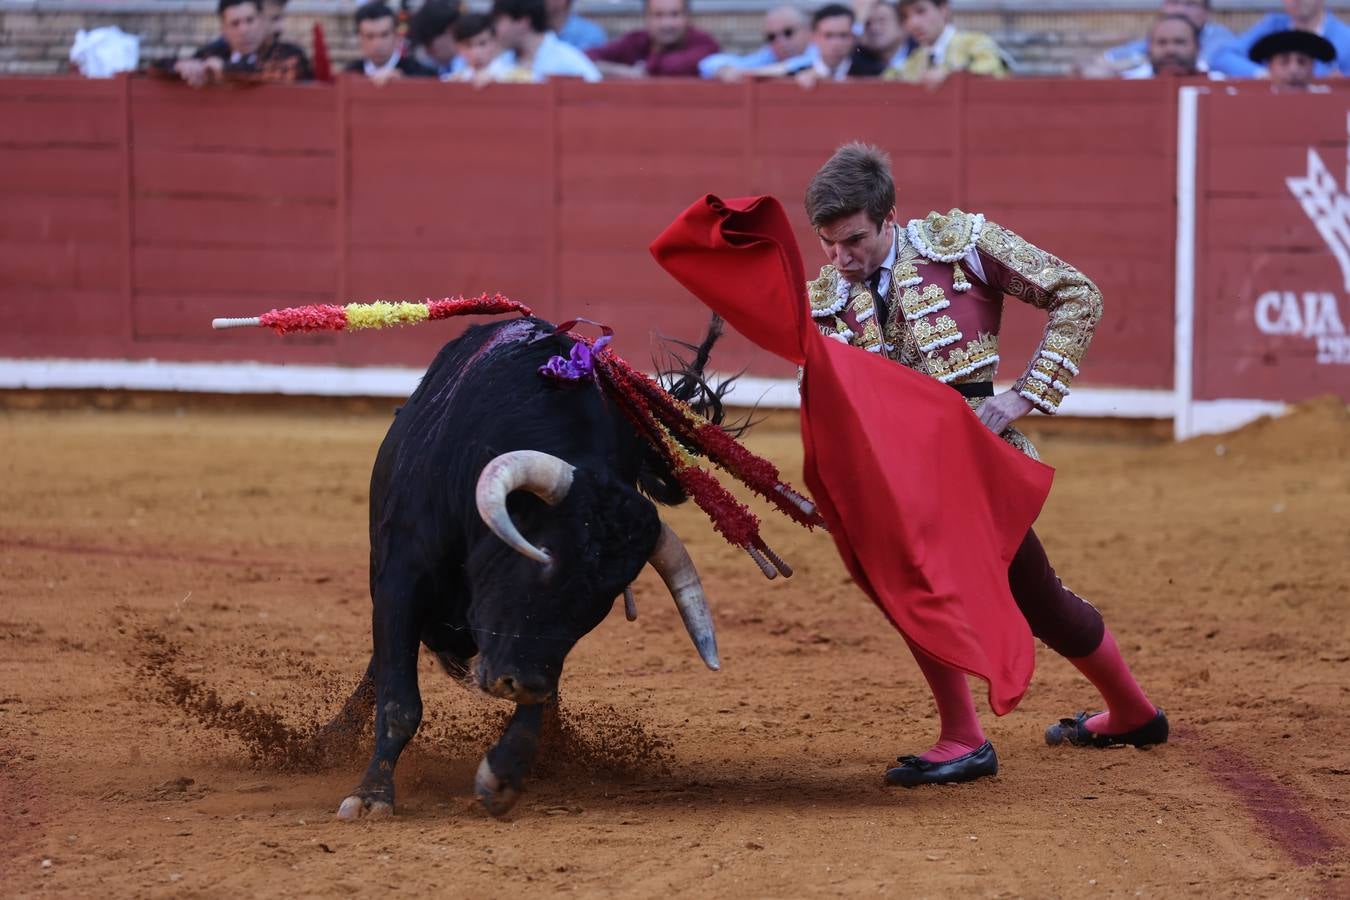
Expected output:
{"points": [[1075, 731], [914, 771]]}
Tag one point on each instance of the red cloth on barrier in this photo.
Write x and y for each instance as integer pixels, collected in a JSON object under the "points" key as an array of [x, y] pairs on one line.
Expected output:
{"points": [[926, 506]]}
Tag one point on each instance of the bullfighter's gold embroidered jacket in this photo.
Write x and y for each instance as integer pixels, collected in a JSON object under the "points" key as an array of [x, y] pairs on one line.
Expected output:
{"points": [[945, 299]]}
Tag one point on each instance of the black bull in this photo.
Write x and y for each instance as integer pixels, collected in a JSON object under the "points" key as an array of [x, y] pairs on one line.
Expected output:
{"points": [[499, 560]]}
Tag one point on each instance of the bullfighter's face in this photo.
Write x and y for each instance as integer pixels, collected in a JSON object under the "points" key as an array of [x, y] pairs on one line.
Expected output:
{"points": [[855, 245]]}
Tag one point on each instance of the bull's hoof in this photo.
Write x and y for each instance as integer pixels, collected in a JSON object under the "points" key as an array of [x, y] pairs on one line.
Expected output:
{"points": [[497, 796], [357, 807]]}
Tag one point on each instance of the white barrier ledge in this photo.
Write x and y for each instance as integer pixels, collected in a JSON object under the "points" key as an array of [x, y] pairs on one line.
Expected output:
{"points": [[397, 381]]}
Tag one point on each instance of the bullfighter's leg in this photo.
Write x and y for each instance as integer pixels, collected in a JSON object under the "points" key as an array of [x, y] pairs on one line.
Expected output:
{"points": [[398, 703], [961, 753], [1074, 629], [501, 774]]}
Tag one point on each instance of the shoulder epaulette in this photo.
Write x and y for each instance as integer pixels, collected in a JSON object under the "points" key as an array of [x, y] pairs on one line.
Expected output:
{"points": [[945, 238], [824, 293]]}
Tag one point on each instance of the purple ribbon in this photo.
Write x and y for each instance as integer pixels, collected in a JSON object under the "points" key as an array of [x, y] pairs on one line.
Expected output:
{"points": [[577, 366]]}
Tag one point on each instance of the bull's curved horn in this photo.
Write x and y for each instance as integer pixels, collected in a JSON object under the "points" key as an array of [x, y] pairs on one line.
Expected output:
{"points": [[546, 476], [671, 561]]}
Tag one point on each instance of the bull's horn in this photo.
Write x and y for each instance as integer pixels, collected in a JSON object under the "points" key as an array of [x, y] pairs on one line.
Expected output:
{"points": [[545, 476], [671, 561]]}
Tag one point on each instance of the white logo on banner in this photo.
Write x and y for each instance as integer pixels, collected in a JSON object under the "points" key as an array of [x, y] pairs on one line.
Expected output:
{"points": [[1310, 314]]}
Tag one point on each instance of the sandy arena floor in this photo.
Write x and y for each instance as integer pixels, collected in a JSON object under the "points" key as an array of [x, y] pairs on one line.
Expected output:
{"points": [[183, 597]]}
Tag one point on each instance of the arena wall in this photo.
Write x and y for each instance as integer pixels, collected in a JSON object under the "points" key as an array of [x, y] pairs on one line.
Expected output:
{"points": [[133, 211]]}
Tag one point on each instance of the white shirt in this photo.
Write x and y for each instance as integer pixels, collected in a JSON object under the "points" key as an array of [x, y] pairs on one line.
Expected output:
{"points": [[971, 262], [938, 52], [554, 57], [371, 69]]}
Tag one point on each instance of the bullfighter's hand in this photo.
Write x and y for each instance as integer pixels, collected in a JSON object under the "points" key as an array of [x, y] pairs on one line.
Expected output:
{"points": [[997, 413]]}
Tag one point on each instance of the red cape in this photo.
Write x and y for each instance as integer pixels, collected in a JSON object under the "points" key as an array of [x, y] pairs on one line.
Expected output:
{"points": [[925, 504]]}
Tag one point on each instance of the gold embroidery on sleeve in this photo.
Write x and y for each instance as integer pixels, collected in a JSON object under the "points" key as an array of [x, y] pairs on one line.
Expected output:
{"points": [[1074, 305]]}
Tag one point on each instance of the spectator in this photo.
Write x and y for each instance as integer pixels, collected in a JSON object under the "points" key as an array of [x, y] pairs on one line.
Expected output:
{"points": [[248, 45], [1129, 59], [382, 57], [786, 36], [431, 32], [1173, 50], [274, 17], [940, 48], [669, 45], [274, 12], [476, 47], [831, 52], [572, 28], [884, 44], [522, 29], [1299, 15], [1291, 58]]}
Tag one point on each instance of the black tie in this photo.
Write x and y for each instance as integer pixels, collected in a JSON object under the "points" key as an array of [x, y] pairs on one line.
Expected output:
{"points": [[874, 285]]}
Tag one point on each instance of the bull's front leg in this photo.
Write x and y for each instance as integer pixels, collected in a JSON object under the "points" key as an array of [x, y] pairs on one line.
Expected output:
{"points": [[501, 774], [398, 708]]}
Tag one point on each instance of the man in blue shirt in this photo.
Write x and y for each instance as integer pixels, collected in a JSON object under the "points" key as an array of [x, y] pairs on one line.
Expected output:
{"points": [[1213, 38], [1299, 15], [786, 36], [572, 28]]}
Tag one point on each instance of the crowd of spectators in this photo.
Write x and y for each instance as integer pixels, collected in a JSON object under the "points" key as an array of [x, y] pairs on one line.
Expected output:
{"points": [[902, 40]]}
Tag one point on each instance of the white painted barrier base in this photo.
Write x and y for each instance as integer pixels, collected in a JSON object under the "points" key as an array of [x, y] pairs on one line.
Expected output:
{"points": [[1206, 417]]}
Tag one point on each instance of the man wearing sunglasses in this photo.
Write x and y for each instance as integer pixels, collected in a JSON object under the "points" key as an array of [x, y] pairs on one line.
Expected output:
{"points": [[786, 36]]}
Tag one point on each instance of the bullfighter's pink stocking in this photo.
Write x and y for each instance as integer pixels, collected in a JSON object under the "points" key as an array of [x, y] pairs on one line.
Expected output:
{"points": [[961, 732], [1127, 707]]}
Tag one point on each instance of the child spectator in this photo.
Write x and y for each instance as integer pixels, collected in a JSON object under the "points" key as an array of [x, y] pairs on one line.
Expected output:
{"points": [[431, 32], [940, 48], [476, 47]]}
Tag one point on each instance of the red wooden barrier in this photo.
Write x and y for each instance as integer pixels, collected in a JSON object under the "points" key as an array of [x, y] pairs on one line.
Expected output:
{"points": [[134, 211]]}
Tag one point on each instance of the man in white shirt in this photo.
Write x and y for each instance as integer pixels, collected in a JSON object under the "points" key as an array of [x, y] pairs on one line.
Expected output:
{"points": [[522, 30]]}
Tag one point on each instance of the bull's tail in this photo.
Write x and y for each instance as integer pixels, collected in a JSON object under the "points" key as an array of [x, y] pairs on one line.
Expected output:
{"points": [[686, 379]]}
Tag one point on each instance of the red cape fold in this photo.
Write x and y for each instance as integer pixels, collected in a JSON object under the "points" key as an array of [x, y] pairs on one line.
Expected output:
{"points": [[926, 506]]}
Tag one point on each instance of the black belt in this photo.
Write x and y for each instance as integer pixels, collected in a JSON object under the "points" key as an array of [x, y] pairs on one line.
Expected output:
{"points": [[974, 389]]}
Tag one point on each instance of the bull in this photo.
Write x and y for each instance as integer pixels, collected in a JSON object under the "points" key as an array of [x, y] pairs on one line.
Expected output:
{"points": [[507, 514]]}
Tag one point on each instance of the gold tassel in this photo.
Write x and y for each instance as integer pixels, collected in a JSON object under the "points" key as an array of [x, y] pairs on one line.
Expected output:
{"points": [[959, 281]]}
